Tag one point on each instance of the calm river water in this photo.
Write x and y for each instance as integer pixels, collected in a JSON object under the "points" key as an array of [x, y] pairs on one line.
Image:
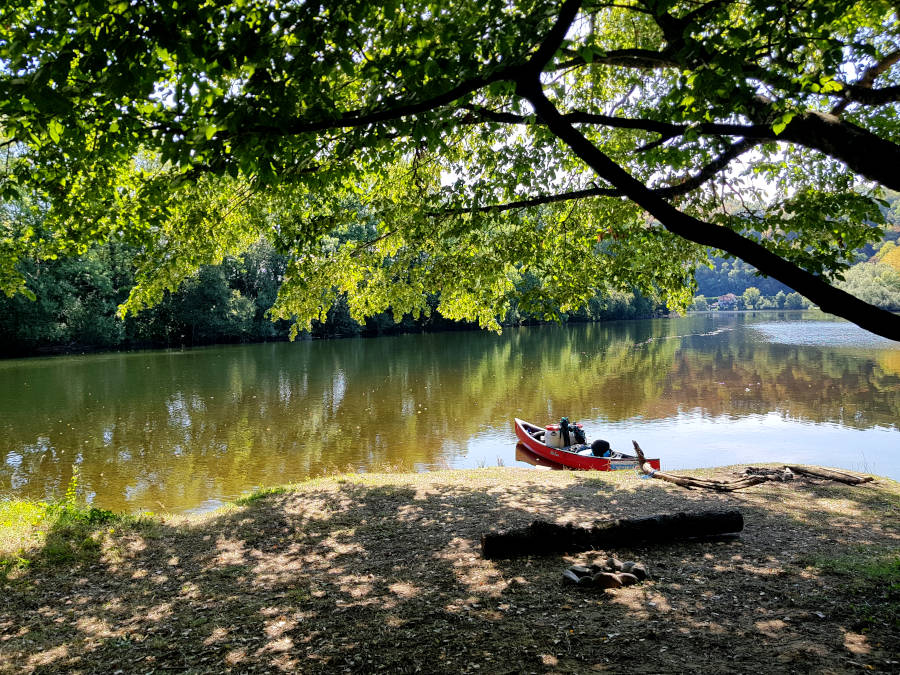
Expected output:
{"points": [[183, 430]]}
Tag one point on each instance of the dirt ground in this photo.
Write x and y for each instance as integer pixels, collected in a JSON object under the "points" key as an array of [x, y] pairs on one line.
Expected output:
{"points": [[371, 573]]}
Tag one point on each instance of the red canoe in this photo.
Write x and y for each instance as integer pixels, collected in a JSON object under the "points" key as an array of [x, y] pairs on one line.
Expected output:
{"points": [[523, 454], [529, 434]]}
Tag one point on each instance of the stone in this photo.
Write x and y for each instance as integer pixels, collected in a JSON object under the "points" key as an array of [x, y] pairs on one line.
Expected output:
{"points": [[627, 579], [637, 569], [607, 580], [570, 577]]}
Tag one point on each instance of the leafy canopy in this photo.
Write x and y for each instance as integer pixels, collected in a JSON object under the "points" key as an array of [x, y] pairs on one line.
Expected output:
{"points": [[403, 147]]}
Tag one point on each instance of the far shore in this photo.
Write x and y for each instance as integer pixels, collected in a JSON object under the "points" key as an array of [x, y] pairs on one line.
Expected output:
{"points": [[85, 349], [383, 572]]}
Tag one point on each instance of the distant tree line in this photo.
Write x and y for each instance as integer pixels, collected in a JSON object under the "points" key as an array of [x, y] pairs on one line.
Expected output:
{"points": [[76, 301], [751, 298], [876, 281]]}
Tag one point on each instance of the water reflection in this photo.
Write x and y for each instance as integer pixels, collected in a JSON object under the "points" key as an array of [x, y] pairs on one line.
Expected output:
{"points": [[173, 430]]}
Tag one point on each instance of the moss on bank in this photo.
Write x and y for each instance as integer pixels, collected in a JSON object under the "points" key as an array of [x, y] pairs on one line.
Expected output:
{"points": [[382, 572]]}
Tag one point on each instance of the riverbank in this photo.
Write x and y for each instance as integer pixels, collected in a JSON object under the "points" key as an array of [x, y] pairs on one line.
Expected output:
{"points": [[382, 572]]}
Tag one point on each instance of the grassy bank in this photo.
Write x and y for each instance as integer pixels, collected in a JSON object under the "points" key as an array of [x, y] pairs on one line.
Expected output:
{"points": [[382, 572]]}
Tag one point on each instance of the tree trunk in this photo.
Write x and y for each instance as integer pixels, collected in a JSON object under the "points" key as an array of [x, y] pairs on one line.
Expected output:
{"points": [[544, 538]]}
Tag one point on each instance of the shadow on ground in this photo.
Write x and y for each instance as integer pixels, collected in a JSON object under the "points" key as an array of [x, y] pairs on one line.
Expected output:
{"points": [[356, 575]]}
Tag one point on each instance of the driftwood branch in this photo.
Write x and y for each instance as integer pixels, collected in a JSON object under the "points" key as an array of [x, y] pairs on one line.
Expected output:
{"points": [[690, 482], [545, 538]]}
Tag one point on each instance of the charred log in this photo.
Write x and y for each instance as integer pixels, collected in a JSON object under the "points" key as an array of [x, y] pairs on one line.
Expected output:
{"points": [[545, 538]]}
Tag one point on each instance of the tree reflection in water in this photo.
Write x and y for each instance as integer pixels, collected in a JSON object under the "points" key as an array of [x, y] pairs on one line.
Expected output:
{"points": [[171, 430]]}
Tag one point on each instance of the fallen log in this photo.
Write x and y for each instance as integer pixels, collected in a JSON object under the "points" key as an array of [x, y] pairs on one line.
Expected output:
{"points": [[831, 474], [545, 538]]}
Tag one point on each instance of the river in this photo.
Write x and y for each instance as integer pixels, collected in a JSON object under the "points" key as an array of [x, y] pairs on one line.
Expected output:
{"points": [[180, 431]]}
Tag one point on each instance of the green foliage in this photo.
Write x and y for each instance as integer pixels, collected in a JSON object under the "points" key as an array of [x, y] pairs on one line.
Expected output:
{"points": [[72, 488], [794, 301], [372, 145], [50, 532], [734, 276], [876, 283], [752, 298], [229, 303]]}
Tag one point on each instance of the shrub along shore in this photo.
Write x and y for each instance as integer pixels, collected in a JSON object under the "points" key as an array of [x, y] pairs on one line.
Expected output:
{"points": [[370, 572]]}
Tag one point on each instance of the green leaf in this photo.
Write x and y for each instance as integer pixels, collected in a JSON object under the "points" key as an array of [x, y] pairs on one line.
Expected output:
{"points": [[55, 129]]}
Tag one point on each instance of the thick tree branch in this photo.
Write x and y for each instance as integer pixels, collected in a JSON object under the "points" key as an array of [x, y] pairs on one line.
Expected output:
{"points": [[639, 59], [865, 153], [868, 78], [554, 38], [829, 298], [866, 96]]}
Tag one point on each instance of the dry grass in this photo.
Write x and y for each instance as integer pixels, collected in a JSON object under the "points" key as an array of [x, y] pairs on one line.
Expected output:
{"points": [[368, 573]]}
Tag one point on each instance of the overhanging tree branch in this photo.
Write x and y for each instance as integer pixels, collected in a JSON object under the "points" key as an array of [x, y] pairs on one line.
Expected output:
{"points": [[866, 96], [865, 153], [829, 298]]}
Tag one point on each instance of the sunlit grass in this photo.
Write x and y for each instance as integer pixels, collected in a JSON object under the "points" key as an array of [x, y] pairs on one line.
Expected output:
{"points": [[53, 532], [259, 494], [21, 528]]}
